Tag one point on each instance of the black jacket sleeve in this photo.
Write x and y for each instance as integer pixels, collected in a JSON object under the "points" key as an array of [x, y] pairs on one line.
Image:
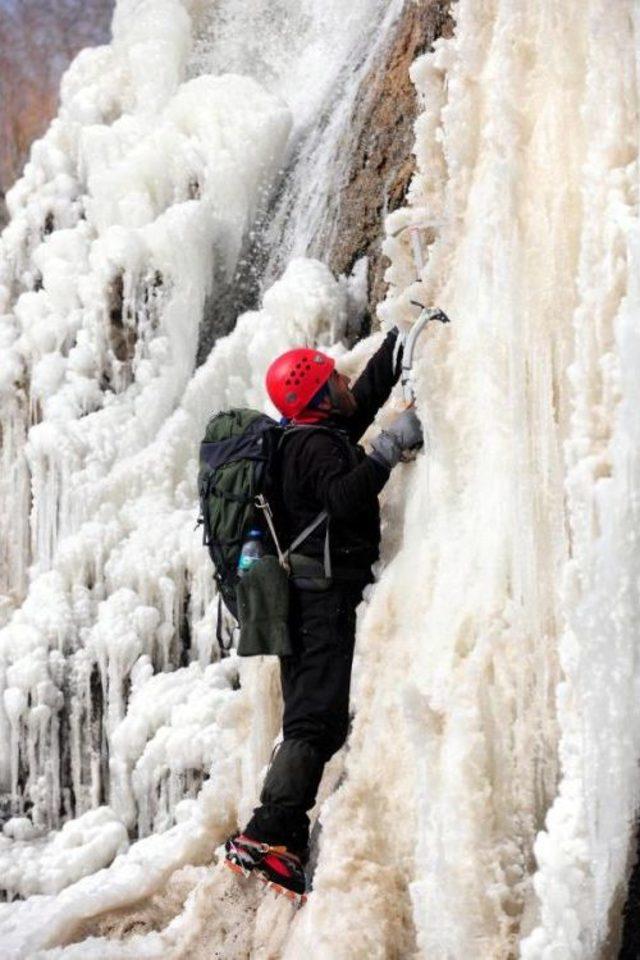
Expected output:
{"points": [[373, 386], [342, 490]]}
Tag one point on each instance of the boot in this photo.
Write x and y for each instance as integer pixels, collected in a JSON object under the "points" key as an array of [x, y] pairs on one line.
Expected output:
{"points": [[280, 869]]}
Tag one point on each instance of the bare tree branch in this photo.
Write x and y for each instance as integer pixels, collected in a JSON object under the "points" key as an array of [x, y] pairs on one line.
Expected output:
{"points": [[38, 40]]}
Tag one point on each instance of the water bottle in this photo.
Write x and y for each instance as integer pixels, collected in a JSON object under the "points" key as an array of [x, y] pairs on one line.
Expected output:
{"points": [[252, 550]]}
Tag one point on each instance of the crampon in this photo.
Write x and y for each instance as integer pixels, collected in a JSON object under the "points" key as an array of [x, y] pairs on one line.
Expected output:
{"points": [[276, 867]]}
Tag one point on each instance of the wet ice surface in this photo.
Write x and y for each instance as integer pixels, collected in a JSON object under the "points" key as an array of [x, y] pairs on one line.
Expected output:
{"points": [[490, 780]]}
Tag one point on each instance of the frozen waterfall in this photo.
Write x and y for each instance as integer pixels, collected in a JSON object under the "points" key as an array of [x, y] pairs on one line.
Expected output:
{"points": [[485, 805]]}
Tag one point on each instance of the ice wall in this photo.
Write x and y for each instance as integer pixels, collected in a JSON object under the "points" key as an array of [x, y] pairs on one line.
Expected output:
{"points": [[131, 214], [103, 307], [498, 675], [491, 777]]}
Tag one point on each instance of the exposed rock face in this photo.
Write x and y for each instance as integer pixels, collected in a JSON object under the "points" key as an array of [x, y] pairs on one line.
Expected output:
{"points": [[380, 143]]}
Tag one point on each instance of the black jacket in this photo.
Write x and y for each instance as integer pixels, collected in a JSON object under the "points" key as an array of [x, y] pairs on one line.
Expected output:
{"points": [[325, 469]]}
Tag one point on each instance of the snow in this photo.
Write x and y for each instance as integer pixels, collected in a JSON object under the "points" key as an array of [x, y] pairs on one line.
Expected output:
{"points": [[486, 801], [84, 845]]}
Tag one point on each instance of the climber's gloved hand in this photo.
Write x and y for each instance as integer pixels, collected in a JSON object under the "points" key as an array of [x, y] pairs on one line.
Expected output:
{"points": [[404, 435]]}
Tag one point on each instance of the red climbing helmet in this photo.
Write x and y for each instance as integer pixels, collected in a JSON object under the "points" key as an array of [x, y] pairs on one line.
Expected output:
{"points": [[295, 377]]}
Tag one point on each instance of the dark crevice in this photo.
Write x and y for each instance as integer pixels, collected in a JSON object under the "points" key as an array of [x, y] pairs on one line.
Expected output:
{"points": [[126, 690], [122, 336], [184, 631], [232, 297], [129, 319], [98, 745], [630, 947]]}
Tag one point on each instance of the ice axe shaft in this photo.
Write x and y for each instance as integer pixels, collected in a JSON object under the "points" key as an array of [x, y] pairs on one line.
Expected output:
{"points": [[428, 314]]}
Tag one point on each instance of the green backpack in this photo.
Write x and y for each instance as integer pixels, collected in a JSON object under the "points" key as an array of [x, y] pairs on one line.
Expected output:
{"points": [[237, 465], [238, 485]]}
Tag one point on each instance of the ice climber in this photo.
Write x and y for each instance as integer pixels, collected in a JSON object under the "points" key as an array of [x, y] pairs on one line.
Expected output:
{"points": [[322, 469]]}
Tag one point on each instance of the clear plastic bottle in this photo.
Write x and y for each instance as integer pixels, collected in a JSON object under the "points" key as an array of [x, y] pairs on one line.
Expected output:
{"points": [[252, 550]]}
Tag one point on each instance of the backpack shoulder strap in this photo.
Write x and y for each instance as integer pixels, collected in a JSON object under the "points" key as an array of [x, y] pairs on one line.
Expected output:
{"points": [[322, 516], [308, 530], [307, 533]]}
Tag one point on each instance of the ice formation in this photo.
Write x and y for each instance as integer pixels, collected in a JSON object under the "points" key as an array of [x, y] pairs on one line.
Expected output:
{"points": [[521, 520], [49, 864], [491, 778]]}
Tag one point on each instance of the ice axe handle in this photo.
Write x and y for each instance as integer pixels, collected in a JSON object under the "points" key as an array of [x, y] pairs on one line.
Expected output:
{"points": [[427, 314]]}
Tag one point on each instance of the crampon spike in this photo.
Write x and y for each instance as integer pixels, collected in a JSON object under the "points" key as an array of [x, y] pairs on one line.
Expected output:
{"points": [[297, 898], [237, 868]]}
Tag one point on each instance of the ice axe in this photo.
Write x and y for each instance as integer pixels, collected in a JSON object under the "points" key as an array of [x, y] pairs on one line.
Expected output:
{"points": [[427, 314], [415, 233]]}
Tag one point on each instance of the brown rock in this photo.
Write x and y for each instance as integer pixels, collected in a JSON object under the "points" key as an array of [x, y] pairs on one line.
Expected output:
{"points": [[380, 143]]}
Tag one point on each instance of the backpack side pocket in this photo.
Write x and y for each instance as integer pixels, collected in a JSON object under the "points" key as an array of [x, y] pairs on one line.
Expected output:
{"points": [[262, 596]]}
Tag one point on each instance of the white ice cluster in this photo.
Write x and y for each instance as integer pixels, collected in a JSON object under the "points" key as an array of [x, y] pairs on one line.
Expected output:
{"points": [[133, 206], [99, 419], [491, 779], [31, 865]]}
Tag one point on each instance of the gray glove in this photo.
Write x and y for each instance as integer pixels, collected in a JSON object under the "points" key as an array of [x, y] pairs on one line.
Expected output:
{"points": [[404, 434]]}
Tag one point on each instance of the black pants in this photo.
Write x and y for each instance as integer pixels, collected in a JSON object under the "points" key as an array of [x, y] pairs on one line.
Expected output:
{"points": [[315, 688]]}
